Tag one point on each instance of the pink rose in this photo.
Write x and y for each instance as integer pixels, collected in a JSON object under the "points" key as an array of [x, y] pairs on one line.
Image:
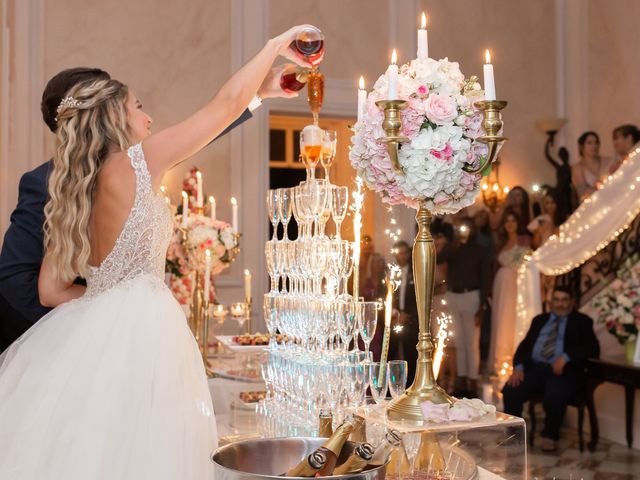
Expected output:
{"points": [[445, 154], [441, 109], [422, 90]]}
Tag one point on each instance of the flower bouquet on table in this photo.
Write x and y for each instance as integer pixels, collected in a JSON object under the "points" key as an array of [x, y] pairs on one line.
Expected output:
{"points": [[186, 253], [442, 125], [618, 305]]}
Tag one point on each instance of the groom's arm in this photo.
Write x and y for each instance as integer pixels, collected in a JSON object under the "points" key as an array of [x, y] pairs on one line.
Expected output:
{"points": [[22, 250], [246, 115]]}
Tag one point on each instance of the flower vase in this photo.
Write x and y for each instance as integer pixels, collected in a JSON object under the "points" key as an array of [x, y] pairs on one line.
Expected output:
{"points": [[630, 349]]}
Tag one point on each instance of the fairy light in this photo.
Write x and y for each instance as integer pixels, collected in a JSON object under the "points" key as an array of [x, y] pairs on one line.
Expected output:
{"points": [[573, 230]]}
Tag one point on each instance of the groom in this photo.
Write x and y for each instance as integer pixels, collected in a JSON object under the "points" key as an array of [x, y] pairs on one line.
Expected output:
{"points": [[22, 250]]}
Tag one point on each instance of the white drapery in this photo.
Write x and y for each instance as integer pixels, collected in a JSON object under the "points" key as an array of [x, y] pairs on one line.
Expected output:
{"points": [[598, 220]]}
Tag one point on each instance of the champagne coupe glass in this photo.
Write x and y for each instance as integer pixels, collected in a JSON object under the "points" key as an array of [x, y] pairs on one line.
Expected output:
{"points": [[378, 381], [367, 321], [346, 269], [328, 152], [397, 375], [339, 205], [271, 259], [285, 208], [311, 148], [411, 441], [272, 205]]}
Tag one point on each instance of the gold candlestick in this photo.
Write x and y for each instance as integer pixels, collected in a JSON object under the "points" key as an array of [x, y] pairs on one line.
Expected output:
{"points": [[392, 124], [492, 124], [424, 387]]}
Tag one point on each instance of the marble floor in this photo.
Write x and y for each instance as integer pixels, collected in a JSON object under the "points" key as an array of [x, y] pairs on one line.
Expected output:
{"points": [[610, 461]]}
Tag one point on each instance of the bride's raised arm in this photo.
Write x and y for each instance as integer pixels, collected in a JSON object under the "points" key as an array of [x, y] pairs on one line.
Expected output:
{"points": [[179, 142]]}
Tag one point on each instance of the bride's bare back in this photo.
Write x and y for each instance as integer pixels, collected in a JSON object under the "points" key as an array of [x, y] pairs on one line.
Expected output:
{"points": [[112, 202]]}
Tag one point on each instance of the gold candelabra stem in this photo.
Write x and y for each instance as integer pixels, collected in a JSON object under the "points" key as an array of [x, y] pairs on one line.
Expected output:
{"points": [[392, 124], [424, 387], [492, 124]]}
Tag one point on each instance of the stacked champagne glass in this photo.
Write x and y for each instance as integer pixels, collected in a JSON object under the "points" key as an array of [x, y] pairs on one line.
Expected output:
{"points": [[319, 366]]}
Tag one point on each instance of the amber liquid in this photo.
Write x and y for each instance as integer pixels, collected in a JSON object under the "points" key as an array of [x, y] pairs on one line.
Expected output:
{"points": [[312, 154], [315, 93], [289, 82]]}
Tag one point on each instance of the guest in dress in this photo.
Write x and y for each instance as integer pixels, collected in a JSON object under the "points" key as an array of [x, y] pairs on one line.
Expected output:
{"points": [[517, 201], [547, 223], [513, 246], [469, 282], [551, 361], [624, 139], [589, 172]]}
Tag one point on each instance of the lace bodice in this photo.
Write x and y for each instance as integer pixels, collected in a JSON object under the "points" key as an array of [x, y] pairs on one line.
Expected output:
{"points": [[142, 244], [513, 257]]}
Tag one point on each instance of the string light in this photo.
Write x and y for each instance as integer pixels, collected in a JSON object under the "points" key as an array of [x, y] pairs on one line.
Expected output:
{"points": [[573, 230]]}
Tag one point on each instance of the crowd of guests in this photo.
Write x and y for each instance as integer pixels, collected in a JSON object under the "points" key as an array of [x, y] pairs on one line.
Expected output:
{"points": [[478, 255]]}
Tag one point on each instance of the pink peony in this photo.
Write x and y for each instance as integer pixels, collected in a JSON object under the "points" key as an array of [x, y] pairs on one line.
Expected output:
{"points": [[441, 109]]}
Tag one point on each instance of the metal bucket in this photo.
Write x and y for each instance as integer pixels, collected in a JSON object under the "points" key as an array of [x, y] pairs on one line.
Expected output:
{"points": [[269, 458]]}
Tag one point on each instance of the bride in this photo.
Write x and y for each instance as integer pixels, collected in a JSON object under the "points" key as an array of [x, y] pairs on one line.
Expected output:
{"points": [[110, 384]]}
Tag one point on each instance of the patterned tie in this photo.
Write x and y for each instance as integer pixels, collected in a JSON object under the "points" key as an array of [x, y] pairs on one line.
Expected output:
{"points": [[549, 347]]}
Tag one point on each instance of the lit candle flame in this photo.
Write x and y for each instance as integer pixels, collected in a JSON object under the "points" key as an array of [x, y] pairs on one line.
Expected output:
{"points": [[505, 189], [394, 56], [487, 56], [485, 186], [212, 199], [424, 21], [361, 83], [246, 273], [208, 253], [199, 174], [184, 194], [234, 201]]}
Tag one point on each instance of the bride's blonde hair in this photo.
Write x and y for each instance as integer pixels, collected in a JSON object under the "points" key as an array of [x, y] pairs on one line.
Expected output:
{"points": [[92, 118]]}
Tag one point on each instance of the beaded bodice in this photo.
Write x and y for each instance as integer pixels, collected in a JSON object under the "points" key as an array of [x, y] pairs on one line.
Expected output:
{"points": [[142, 244]]}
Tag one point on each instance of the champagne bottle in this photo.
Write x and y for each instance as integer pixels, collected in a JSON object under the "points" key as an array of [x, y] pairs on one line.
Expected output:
{"points": [[357, 461], [399, 465], [326, 424], [359, 433], [309, 466], [385, 449], [429, 457], [333, 446]]}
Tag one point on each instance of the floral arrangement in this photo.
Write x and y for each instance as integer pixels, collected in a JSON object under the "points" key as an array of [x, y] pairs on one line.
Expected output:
{"points": [[186, 253], [190, 185], [442, 125], [618, 305]]}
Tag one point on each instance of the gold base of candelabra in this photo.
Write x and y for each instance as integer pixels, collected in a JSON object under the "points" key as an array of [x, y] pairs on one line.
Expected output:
{"points": [[424, 387]]}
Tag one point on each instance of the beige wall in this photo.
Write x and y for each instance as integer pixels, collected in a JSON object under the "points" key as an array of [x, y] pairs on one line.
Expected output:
{"points": [[173, 58], [613, 66]]}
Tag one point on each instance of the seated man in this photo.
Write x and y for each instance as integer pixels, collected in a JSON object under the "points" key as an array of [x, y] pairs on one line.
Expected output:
{"points": [[551, 360]]}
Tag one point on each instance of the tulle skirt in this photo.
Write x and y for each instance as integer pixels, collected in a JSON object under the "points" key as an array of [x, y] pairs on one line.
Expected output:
{"points": [[107, 387]]}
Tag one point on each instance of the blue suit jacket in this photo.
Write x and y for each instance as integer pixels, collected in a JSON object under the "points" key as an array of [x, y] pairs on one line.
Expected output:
{"points": [[22, 253]]}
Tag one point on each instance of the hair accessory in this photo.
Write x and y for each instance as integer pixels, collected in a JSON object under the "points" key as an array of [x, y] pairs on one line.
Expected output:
{"points": [[67, 102]]}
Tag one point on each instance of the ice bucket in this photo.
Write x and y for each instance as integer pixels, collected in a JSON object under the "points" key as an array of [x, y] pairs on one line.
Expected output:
{"points": [[271, 457]]}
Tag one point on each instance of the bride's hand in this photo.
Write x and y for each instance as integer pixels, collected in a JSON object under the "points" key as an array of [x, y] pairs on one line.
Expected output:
{"points": [[284, 41], [271, 88]]}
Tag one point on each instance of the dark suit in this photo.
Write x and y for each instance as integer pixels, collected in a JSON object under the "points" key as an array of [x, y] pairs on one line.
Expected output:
{"points": [[22, 253], [402, 345], [580, 343]]}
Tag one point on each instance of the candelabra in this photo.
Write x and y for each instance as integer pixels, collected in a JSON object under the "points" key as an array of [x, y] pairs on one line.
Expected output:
{"points": [[408, 406]]}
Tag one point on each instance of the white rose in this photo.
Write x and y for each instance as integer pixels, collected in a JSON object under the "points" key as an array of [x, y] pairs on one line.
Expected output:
{"points": [[228, 238]]}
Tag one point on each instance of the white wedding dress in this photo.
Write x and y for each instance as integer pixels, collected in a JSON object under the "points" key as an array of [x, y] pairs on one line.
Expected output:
{"points": [[111, 385]]}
